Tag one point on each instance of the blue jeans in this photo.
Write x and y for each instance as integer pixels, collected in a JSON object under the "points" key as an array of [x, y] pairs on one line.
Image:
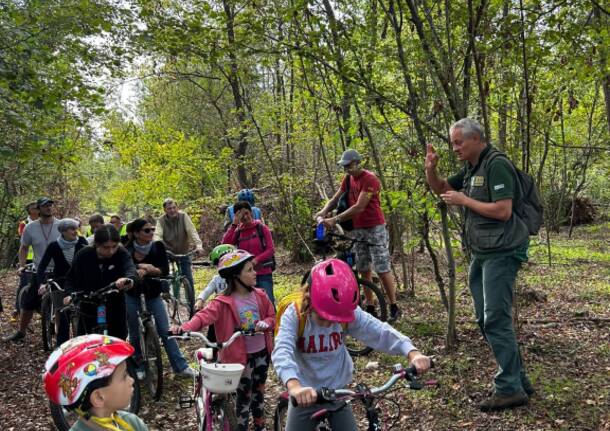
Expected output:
{"points": [[265, 281], [186, 267], [157, 308]]}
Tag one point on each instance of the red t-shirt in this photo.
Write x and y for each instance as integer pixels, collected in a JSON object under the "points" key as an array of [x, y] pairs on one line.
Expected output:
{"points": [[369, 183]]}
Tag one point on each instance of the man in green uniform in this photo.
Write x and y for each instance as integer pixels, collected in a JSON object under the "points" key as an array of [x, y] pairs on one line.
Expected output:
{"points": [[486, 188]]}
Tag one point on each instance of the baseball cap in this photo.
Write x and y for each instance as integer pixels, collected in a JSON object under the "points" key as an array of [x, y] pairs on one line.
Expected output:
{"points": [[43, 201], [349, 156]]}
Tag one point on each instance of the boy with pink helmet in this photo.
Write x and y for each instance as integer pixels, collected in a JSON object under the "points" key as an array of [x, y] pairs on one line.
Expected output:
{"points": [[319, 358]]}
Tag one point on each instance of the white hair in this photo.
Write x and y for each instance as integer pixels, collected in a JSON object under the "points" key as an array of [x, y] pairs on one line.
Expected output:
{"points": [[469, 127]]}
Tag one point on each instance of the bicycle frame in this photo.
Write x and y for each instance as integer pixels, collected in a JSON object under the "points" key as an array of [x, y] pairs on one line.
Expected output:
{"points": [[203, 397]]}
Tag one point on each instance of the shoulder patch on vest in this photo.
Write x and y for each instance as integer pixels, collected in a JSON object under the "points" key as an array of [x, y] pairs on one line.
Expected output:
{"points": [[498, 187]]}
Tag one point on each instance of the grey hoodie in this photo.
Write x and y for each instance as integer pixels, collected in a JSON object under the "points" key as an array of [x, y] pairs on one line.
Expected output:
{"points": [[319, 358]]}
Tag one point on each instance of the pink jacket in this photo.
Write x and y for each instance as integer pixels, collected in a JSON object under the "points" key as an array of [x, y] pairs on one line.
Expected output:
{"points": [[222, 313], [249, 241]]}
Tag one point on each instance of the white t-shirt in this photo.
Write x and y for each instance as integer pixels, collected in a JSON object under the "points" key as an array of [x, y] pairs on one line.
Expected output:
{"points": [[39, 236]]}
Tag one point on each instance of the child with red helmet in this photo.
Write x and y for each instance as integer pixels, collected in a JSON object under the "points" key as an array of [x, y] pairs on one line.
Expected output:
{"points": [[88, 374], [318, 358], [243, 306]]}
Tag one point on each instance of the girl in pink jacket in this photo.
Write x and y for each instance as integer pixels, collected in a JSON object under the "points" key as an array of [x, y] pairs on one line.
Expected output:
{"points": [[241, 306]]}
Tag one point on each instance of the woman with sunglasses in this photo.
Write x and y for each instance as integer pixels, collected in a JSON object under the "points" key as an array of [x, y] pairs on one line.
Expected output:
{"points": [[150, 259]]}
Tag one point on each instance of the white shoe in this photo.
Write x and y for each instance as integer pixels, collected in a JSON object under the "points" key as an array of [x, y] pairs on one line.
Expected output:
{"points": [[187, 372]]}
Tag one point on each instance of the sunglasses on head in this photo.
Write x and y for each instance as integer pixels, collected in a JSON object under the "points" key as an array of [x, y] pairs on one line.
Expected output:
{"points": [[148, 230]]}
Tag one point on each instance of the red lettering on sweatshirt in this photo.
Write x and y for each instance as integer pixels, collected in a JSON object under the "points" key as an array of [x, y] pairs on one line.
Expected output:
{"points": [[324, 343]]}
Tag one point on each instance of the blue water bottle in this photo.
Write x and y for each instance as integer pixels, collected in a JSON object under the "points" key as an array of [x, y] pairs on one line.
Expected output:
{"points": [[101, 314], [320, 231]]}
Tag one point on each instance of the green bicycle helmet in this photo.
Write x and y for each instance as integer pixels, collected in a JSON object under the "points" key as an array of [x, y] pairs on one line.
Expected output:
{"points": [[219, 251]]}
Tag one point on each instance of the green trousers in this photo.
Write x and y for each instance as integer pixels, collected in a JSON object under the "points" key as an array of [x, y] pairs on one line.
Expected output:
{"points": [[491, 281]]}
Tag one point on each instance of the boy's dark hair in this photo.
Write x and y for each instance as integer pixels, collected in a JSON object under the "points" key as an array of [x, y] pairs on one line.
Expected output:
{"points": [[84, 401], [106, 233], [96, 218], [241, 205]]}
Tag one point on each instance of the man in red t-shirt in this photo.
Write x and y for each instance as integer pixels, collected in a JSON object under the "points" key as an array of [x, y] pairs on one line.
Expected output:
{"points": [[369, 224]]}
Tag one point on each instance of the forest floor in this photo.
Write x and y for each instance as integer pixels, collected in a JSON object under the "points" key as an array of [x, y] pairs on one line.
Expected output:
{"points": [[563, 329]]}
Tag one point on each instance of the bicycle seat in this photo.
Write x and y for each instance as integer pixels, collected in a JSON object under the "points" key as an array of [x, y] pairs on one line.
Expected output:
{"points": [[205, 354]]}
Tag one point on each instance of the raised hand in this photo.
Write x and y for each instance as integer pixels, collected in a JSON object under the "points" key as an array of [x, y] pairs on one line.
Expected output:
{"points": [[431, 158]]}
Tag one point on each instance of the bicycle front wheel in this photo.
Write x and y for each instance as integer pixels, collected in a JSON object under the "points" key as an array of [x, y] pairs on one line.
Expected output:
{"points": [[48, 323], [280, 415], [153, 360], [355, 347]]}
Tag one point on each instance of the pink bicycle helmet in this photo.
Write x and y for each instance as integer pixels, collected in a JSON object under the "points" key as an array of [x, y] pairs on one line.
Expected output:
{"points": [[231, 263], [334, 291], [80, 361]]}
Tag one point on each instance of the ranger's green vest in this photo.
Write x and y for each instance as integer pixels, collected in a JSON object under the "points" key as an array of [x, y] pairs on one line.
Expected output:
{"points": [[482, 234]]}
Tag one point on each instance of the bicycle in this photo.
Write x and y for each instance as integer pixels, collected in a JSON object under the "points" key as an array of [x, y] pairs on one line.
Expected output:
{"points": [[49, 312], [369, 398], [215, 384], [182, 307], [28, 271], [63, 419], [344, 252], [151, 351]]}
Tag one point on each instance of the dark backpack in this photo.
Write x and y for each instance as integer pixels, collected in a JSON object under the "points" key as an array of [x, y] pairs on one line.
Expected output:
{"points": [[261, 236], [529, 207], [343, 205]]}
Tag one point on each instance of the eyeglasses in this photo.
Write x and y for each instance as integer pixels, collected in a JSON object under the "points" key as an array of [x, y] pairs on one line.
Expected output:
{"points": [[148, 230]]}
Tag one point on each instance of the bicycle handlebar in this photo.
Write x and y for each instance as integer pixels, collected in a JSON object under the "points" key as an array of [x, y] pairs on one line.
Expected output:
{"points": [[325, 395], [350, 239], [217, 345], [106, 290], [175, 256]]}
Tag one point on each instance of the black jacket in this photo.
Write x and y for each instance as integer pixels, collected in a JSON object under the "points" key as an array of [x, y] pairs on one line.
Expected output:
{"points": [[157, 257], [61, 265], [89, 273]]}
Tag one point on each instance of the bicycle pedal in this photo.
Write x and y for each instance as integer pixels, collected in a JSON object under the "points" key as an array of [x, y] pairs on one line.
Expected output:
{"points": [[186, 401]]}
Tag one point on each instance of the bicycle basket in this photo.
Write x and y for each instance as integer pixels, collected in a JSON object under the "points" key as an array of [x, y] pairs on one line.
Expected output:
{"points": [[221, 378]]}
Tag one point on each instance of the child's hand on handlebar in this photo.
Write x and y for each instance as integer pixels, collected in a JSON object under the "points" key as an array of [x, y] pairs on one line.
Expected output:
{"points": [[261, 326], [67, 300], [304, 396], [199, 304], [421, 362], [175, 329]]}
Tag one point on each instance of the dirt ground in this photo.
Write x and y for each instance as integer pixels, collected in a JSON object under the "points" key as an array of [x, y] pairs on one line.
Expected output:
{"points": [[564, 332]]}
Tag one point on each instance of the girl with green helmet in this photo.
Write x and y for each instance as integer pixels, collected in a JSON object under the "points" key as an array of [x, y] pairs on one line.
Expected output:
{"points": [[216, 284]]}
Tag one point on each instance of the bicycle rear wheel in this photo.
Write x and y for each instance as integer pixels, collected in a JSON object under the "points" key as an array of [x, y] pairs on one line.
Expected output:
{"points": [[153, 360], [181, 305], [47, 322], [355, 347]]}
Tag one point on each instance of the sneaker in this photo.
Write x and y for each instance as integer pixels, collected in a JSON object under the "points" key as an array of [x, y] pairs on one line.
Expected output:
{"points": [[14, 317], [371, 310], [394, 313], [500, 402], [187, 372], [17, 336]]}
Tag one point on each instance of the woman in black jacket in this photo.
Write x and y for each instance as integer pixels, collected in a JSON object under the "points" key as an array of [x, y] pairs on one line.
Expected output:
{"points": [[96, 266], [150, 259], [61, 252]]}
